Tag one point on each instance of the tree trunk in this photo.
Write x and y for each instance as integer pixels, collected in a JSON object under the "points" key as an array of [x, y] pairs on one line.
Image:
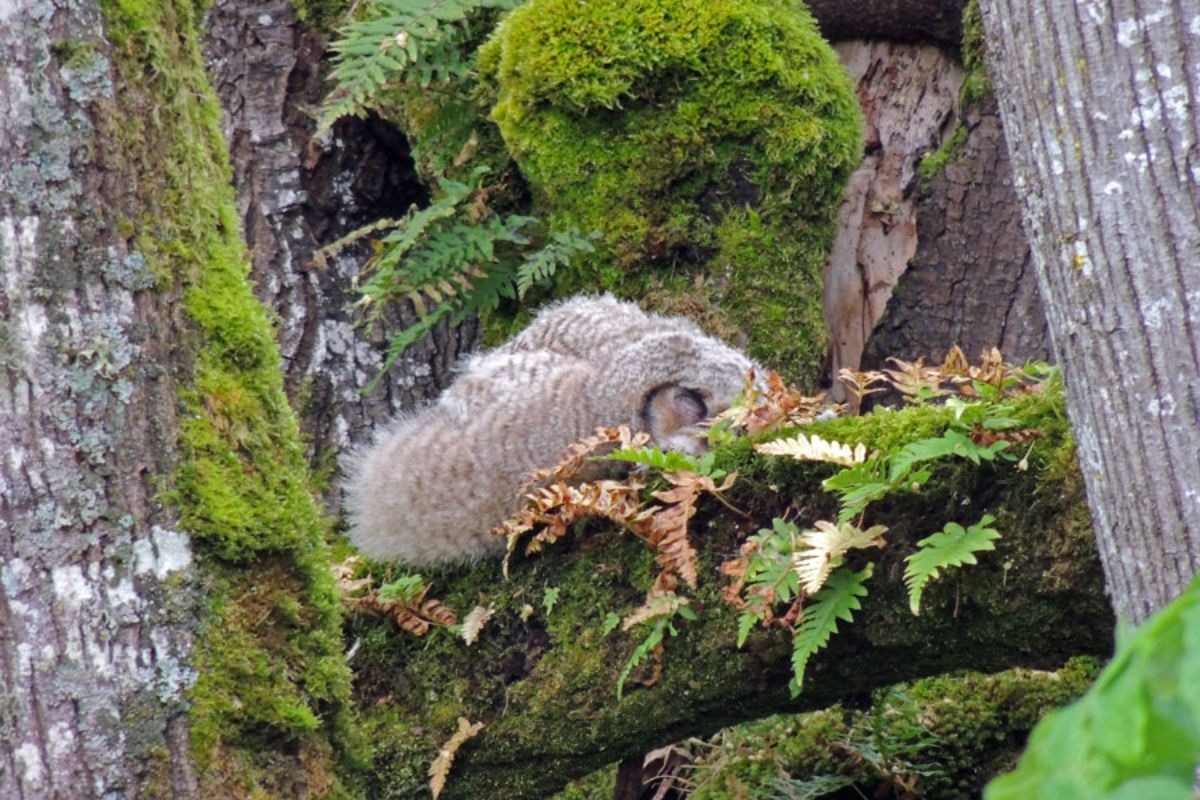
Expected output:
{"points": [[167, 620], [94, 646], [939, 21], [971, 279], [1099, 103], [296, 194]]}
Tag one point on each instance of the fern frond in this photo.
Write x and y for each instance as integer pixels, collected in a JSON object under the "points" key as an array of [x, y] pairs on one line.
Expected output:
{"points": [[814, 448], [440, 768], [825, 547], [399, 43], [952, 547], [669, 461], [839, 597]]}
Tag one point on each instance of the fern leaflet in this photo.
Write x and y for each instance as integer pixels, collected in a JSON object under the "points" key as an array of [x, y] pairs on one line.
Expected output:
{"points": [[836, 600], [951, 547], [393, 43]]}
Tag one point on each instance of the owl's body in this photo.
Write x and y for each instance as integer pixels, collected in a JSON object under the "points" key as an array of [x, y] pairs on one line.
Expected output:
{"points": [[434, 482]]}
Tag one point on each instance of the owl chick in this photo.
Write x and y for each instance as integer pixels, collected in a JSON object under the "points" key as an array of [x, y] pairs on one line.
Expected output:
{"points": [[436, 480]]}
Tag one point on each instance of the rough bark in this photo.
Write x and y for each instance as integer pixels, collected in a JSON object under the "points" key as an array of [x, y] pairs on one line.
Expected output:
{"points": [[296, 194], [1099, 103], [970, 281], [939, 21], [909, 97], [95, 579]]}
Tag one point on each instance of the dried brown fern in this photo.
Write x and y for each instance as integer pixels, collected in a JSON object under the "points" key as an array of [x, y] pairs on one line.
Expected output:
{"points": [[440, 768], [776, 407]]}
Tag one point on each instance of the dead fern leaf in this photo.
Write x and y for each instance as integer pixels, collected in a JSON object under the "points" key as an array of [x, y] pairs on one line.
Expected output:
{"points": [[575, 457], [473, 623], [416, 615], [861, 384], [777, 406], [912, 378], [555, 508], [343, 576], [985, 438], [667, 529], [814, 448], [662, 604], [440, 768], [826, 544]]}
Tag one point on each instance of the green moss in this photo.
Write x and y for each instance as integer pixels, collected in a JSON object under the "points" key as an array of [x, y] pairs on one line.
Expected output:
{"points": [[270, 702], [950, 734], [933, 163], [660, 124], [976, 84]]}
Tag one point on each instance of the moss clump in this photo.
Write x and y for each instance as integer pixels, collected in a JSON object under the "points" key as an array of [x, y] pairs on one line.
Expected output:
{"points": [[976, 85], [661, 123], [270, 702], [946, 736], [933, 163]]}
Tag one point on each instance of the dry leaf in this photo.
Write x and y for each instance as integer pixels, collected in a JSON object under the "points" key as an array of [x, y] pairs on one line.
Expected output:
{"points": [[473, 623], [657, 605], [826, 544], [440, 767]]}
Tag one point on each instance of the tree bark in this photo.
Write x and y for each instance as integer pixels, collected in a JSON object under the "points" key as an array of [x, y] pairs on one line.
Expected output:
{"points": [[939, 21], [970, 281], [909, 98], [94, 646], [296, 194], [1099, 102]]}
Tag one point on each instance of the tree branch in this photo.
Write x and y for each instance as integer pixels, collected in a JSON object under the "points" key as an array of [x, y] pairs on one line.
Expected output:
{"points": [[939, 21], [544, 682]]}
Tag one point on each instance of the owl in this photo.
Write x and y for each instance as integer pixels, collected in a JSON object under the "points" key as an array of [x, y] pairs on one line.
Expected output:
{"points": [[436, 480]]}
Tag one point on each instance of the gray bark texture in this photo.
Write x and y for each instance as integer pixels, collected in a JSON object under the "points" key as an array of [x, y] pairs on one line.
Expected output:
{"points": [[93, 644], [296, 194], [1100, 107]]}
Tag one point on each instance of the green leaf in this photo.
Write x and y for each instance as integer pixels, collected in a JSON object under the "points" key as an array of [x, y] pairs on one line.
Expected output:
{"points": [[952, 547], [669, 461], [836, 600], [550, 599], [1135, 734]]}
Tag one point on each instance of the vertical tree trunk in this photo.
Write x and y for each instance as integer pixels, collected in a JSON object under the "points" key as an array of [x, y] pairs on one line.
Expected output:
{"points": [[93, 645], [296, 194], [1100, 105]]}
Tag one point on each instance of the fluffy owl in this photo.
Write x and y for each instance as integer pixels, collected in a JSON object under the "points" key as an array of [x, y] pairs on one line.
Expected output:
{"points": [[433, 482]]}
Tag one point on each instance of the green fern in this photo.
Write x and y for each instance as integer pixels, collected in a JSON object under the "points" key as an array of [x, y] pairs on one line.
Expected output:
{"points": [[658, 631], [452, 258], [400, 43], [951, 547], [668, 461], [836, 600]]}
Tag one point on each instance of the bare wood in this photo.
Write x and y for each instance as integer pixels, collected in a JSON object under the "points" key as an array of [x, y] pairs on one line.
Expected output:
{"points": [[971, 282], [1099, 102]]}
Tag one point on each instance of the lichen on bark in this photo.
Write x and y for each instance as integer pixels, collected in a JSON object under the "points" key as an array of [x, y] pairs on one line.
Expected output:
{"points": [[270, 698]]}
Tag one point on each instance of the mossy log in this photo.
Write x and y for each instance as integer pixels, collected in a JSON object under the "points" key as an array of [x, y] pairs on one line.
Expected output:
{"points": [[542, 677]]}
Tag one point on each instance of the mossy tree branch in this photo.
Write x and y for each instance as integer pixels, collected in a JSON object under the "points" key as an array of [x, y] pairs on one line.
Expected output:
{"points": [[544, 682]]}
